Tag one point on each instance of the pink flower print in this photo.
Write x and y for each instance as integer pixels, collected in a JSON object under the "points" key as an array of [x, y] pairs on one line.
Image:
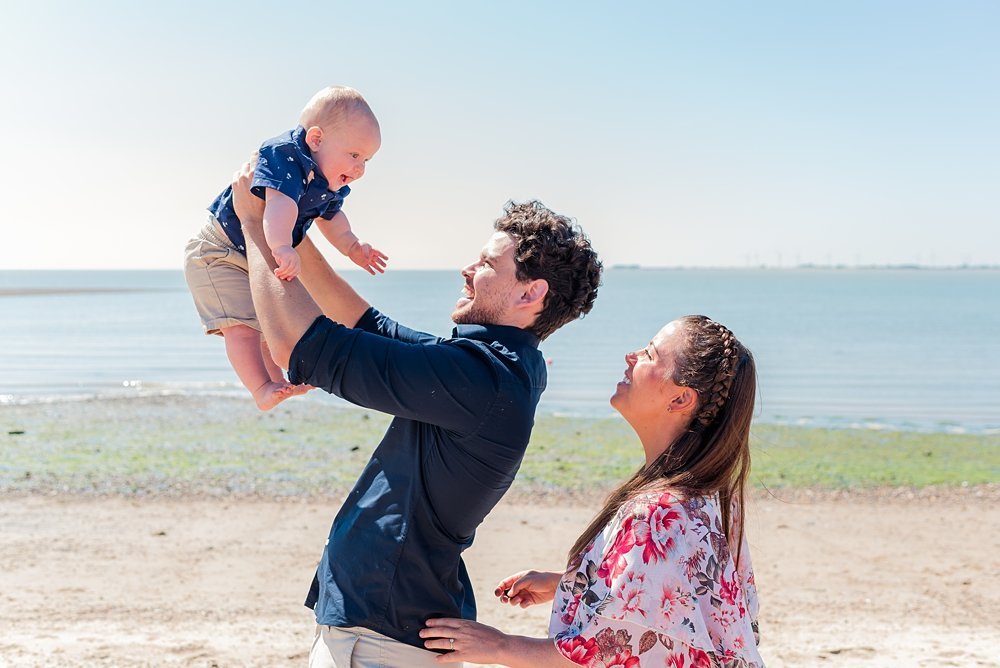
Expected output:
{"points": [[615, 562], [699, 658], [671, 602], [570, 614], [692, 564], [630, 595], [613, 565], [623, 659], [579, 650], [728, 589], [655, 535], [675, 661], [738, 642], [724, 617]]}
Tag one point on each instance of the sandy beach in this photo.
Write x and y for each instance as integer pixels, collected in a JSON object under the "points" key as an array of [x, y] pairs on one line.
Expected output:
{"points": [[875, 579]]}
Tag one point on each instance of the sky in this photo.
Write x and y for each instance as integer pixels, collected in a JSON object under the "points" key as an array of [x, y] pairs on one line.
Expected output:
{"points": [[676, 134]]}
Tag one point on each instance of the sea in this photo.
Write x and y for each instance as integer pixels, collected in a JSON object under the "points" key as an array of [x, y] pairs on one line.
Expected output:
{"points": [[893, 349]]}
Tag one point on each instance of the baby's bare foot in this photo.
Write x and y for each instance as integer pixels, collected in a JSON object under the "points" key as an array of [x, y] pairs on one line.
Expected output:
{"points": [[300, 389], [271, 394]]}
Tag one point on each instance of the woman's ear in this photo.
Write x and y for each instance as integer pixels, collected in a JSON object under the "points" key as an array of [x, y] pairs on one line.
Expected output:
{"points": [[684, 401]]}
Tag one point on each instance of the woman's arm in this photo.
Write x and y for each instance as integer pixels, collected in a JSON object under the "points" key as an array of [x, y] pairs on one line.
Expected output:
{"points": [[473, 642], [528, 588]]}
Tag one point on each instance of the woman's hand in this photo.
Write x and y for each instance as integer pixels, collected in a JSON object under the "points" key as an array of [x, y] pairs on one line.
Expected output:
{"points": [[528, 588], [473, 642], [467, 640]]}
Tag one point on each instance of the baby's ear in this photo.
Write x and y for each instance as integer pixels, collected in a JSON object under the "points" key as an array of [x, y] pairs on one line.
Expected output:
{"points": [[314, 137]]}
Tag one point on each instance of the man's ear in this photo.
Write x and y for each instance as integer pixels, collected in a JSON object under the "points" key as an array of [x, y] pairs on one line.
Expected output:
{"points": [[534, 293], [314, 137]]}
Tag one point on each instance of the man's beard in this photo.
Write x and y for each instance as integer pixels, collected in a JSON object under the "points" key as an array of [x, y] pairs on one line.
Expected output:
{"points": [[477, 314]]}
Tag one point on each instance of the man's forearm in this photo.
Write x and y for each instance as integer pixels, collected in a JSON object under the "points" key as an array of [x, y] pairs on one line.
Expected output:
{"points": [[334, 295], [284, 308]]}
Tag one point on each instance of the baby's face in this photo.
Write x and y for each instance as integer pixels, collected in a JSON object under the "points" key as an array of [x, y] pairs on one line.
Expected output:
{"points": [[341, 152]]}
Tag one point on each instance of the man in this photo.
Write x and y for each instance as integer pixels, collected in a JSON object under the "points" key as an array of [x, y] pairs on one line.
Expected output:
{"points": [[463, 406]]}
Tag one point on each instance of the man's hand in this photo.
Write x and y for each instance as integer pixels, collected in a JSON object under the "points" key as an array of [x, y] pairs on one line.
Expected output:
{"points": [[249, 209], [289, 264], [368, 258]]}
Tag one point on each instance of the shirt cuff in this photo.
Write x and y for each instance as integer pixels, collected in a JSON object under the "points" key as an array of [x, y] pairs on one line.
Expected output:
{"points": [[369, 321], [302, 363]]}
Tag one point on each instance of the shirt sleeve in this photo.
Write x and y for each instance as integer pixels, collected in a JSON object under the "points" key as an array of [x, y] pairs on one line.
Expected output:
{"points": [[378, 323], [279, 168], [451, 384], [332, 209], [337, 204]]}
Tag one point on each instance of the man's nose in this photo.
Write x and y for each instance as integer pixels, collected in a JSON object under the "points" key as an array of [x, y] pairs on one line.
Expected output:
{"points": [[359, 170]]}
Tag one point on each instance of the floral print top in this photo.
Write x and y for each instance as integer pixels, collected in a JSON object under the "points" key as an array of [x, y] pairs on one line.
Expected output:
{"points": [[659, 587]]}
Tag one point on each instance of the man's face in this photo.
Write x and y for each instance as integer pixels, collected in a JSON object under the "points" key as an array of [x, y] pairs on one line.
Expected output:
{"points": [[491, 285]]}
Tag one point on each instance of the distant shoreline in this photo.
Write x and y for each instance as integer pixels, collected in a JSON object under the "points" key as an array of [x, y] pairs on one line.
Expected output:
{"points": [[808, 266], [818, 267], [35, 292]]}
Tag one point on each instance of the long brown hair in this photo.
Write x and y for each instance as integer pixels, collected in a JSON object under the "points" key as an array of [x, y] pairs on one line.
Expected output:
{"points": [[713, 455]]}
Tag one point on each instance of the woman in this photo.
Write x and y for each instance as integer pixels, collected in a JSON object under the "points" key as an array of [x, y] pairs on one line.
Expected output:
{"points": [[662, 575]]}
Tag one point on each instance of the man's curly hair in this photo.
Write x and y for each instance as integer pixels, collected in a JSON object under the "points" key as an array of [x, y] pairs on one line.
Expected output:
{"points": [[554, 248]]}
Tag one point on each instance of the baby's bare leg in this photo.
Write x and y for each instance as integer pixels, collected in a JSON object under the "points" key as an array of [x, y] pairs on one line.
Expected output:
{"points": [[273, 370], [243, 346], [276, 372]]}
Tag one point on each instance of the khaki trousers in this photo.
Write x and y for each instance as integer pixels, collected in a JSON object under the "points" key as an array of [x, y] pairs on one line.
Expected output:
{"points": [[356, 647]]}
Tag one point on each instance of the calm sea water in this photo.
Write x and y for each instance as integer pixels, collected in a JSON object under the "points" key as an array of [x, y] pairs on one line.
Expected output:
{"points": [[901, 349]]}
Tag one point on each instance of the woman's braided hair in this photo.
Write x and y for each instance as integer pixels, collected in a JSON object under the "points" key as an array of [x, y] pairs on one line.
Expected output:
{"points": [[708, 365], [713, 456]]}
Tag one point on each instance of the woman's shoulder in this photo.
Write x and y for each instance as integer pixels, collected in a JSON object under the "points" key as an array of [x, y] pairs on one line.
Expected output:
{"points": [[642, 504]]}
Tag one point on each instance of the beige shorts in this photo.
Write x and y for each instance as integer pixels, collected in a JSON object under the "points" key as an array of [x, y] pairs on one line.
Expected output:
{"points": [[356, 647], [219, 279]]}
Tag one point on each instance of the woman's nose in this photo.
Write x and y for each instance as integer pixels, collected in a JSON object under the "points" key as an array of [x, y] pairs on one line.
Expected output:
{"points": [[630, 358]]}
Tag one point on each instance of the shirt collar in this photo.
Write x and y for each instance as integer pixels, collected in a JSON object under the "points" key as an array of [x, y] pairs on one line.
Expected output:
{"points": [[299, 136], [513, 337]]}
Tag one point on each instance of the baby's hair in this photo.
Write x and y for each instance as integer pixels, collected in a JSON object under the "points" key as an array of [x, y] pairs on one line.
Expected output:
{"points": [[332, 105]]}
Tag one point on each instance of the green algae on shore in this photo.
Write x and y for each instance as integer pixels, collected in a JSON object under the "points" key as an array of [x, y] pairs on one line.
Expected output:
{"points": [[179, 445]]}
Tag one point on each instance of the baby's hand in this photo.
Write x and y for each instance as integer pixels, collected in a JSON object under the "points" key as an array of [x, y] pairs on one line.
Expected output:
{"points": [[289, 264], [368, 258]]}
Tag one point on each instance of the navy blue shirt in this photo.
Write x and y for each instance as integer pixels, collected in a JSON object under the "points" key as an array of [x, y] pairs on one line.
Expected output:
{"points": [[284, 164], [464, 410]]}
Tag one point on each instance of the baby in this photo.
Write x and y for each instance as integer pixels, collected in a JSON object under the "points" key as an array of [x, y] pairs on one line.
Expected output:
{"points": [[302, 176]]}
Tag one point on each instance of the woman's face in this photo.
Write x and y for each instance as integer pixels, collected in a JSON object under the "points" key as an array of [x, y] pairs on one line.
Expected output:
{"points": [[647, 388]]}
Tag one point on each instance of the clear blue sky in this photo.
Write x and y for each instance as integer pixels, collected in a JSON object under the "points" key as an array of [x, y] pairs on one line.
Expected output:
{"points": [[695, 134]]}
